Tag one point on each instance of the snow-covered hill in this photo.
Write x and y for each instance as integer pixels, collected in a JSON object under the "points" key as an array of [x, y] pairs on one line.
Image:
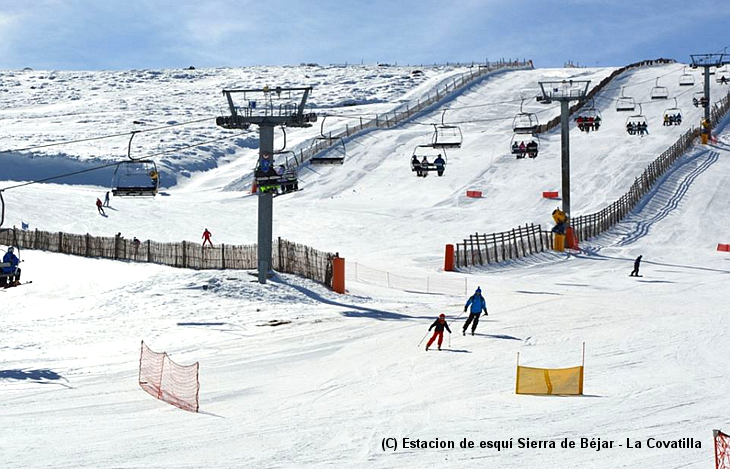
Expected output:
{"points": [[347, 372]]}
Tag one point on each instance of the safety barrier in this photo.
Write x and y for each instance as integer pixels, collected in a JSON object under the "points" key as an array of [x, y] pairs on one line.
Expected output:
{"points": [[550, 194], [550, 381], [357, 272], [723, 247], [167, 381], [474, 194]]}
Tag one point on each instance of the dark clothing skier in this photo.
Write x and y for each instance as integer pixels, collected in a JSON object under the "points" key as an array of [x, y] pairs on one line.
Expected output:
{"points": [[106, 199], [635, 272], [478, 304], [11, 273], [440, 324]]}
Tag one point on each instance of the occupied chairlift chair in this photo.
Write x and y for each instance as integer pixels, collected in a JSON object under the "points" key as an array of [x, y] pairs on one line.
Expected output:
{"points": [[589, 118], [659, 92], [530, 148], [273, 176], [625, 103], [686, 79], [525, 122], [445, 135], [431, 154], [672, 115], [722, 75], [335, 153], [698, 99], [637, 124], [135, 178]]}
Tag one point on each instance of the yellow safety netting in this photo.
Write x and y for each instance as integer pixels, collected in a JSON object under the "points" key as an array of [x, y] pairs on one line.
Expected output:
{"points": [[555, 381]]}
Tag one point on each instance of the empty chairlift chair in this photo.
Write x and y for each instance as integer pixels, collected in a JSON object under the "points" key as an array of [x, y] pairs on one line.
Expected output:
{"points": [[625, 103], [525, 122], [659, 92], [136, 177], [446, 136], [333, 148], [686, 79]]}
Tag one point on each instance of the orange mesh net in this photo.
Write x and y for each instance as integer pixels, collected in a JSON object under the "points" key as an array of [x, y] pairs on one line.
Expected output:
{"points": [[556, 381], [166, 380]]}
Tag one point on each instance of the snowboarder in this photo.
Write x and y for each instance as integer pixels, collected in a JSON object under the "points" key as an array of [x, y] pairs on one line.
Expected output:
{"points": [[206, 237], [11, 273], [106, 199], [99, 206], [440, 324], [478, 304], [635, 272]]}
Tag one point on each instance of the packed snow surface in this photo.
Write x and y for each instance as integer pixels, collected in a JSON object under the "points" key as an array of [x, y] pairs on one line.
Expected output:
{"points": [[348, 371]]}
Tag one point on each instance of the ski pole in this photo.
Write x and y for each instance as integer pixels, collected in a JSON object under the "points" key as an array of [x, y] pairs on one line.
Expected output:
{"points": [[424, 338], [449, 339]]}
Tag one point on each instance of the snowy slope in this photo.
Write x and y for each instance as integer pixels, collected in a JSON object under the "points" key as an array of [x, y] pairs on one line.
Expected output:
{"points": [[324, 390]]}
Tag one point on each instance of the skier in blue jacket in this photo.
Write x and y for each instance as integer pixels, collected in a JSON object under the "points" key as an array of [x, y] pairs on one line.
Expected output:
{"points": [[12, 272], [478, 304]]}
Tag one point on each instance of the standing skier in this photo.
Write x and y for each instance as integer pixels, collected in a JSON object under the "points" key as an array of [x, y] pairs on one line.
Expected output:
{"points": [[440, 324], [206, 237], [478, 304], [11, 272], [635, 272], [106, 199]]}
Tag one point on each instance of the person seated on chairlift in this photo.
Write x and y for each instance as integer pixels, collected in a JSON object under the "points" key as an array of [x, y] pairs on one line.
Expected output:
{"points": [[416, 165], [667, 119], [580, 122], [424, 166], [596, 123], [678, 119], [642, 128], [440, 165], [515, 148], [523, 147], [532, 149], [723, 80]]}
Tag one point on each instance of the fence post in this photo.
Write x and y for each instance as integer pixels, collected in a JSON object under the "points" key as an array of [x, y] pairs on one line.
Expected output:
{"points": [[60, 241], [449, 258], [149, 251], [86, 250], [184, 255]]}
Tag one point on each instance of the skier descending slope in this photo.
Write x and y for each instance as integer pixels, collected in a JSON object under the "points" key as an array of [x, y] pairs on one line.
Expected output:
{"points": [[440, 324], [478, 304]]}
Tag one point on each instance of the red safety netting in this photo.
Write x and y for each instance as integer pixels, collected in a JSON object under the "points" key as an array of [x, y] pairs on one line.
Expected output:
{"points": [[722, 453], [166, 380]]}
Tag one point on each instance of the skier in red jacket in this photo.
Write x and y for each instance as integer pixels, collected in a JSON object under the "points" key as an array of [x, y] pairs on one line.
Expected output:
{"points": [[440, 324], [206, 237]]}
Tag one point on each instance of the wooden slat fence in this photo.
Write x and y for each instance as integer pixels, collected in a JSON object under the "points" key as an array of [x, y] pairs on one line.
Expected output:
{"points": [[483, 249], [287, 257]]}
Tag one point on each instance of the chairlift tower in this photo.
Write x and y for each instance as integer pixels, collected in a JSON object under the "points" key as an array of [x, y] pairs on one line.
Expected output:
{"points": [[564, 91], [706, 61], [266, 116]]}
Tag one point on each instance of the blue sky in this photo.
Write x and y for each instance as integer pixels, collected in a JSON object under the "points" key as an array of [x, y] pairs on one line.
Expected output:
{"points": [[144, 34]]}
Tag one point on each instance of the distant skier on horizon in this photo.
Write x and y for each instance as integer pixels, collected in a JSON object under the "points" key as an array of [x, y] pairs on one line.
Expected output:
{"points": [[478, 304], [440, 324], [635, 272]]}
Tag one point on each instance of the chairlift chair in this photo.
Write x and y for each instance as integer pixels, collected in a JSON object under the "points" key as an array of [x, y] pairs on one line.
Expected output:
{"points": [[722, 75], [446, 136], [686, 79], [335, 154], [525, 122], [431, 154], [12, 243], [589, 119], [672, 115], [277, 179], [530, 148], [698, 99], [625, 103], [637, 124], [136, 177], [659, 92]]}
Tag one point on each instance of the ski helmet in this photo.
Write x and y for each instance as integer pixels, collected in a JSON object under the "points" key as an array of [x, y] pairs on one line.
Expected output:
{"points": [[442, 315]]}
